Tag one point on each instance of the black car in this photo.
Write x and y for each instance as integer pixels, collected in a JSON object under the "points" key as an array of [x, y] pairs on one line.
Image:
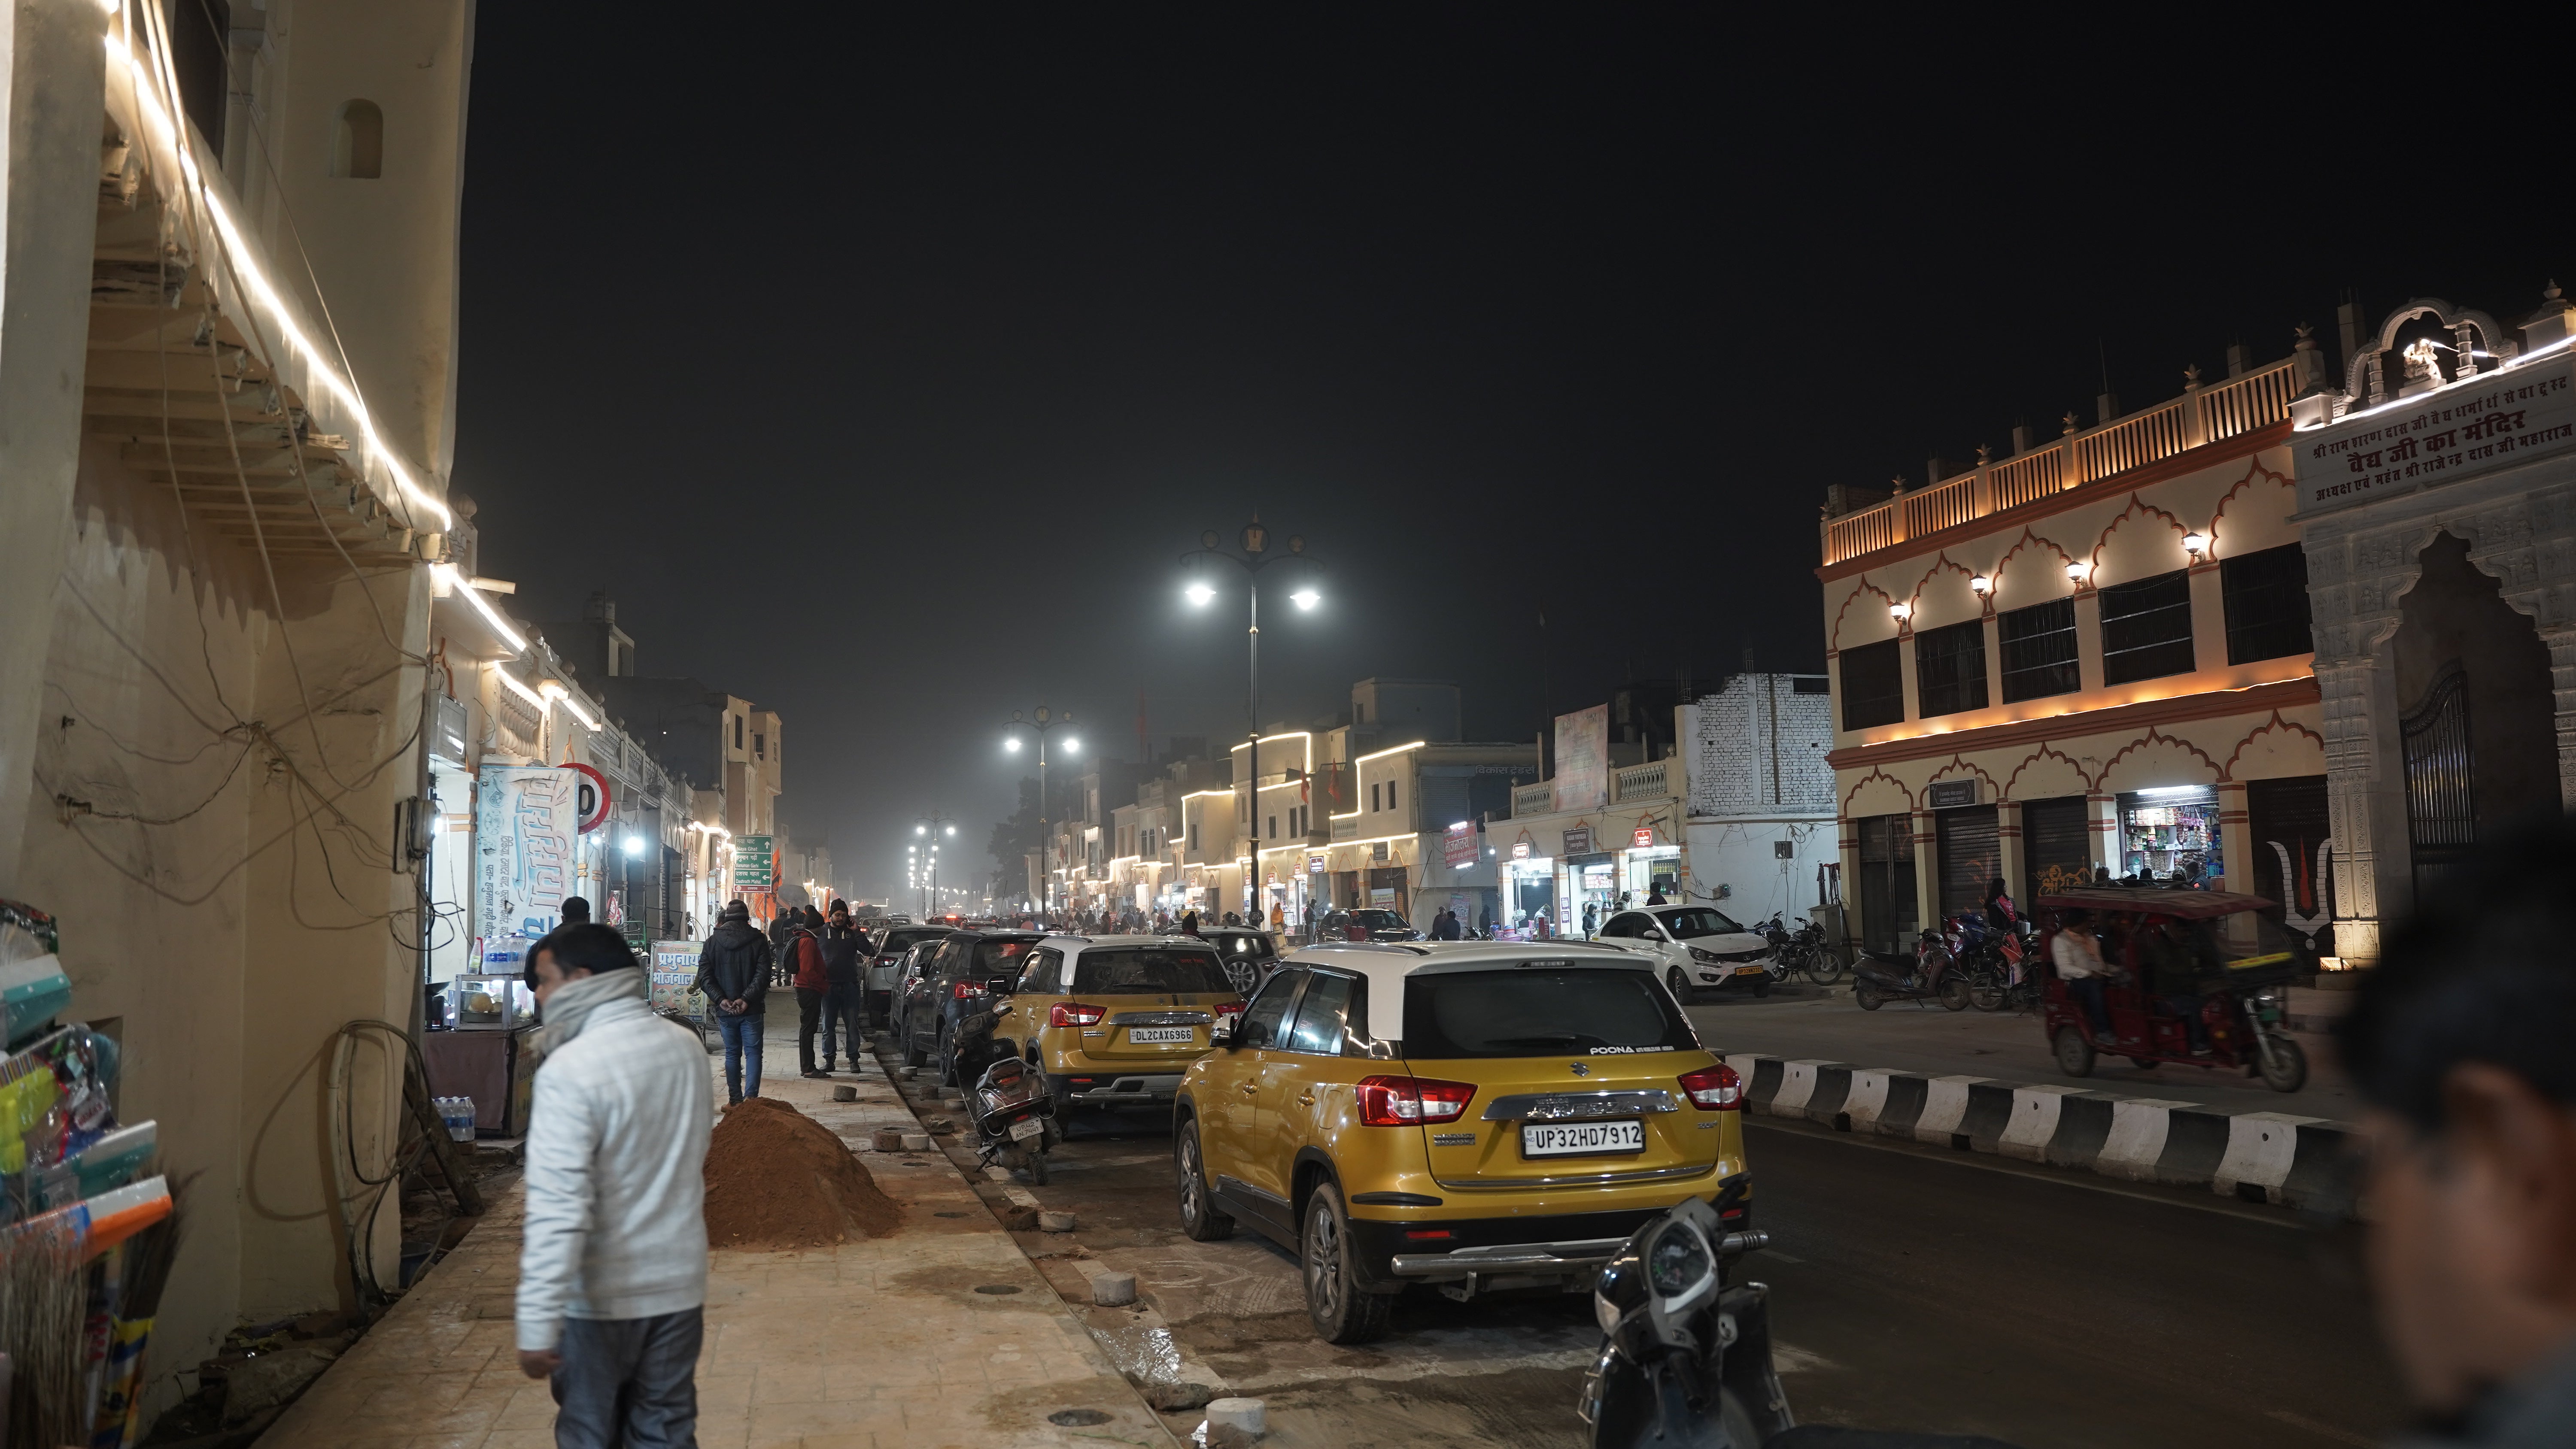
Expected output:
{"points": [[1368, 923], [887, 965], [1249, 955], [956, 983]]}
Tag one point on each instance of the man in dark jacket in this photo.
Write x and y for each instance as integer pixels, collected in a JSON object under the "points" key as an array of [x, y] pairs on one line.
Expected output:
{"points": [[845, 956], [733, 974]]}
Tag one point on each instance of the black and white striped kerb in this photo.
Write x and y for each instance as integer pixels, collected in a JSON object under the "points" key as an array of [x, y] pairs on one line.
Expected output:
{"points": [[2302, 1162]]}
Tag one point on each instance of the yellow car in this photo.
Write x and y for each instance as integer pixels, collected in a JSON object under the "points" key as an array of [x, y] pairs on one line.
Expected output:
{"points": [[1479, 1116], [1113, 1021]]}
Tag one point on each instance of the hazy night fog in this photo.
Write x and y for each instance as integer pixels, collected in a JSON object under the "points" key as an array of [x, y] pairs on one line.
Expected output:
{"points": [[884, 381]]}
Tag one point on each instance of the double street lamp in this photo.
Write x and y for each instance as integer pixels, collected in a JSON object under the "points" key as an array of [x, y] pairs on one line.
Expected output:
{"points": [[1041, 721], [1253, 557], [926, 864]]}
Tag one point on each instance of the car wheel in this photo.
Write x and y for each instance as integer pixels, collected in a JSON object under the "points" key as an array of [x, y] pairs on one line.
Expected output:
{"points": [[1200, 1221], [1678, 984], [1340, 1312], [1761, 987]]}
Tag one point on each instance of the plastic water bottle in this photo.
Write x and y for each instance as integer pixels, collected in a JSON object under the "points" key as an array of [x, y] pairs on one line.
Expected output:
{"points": [[458, 1114]]}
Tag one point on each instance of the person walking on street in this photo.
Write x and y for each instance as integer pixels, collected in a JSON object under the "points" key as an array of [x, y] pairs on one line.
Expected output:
{"points": [[845, 954], [1591, 920], [804, 966], [780, 926], [733, 975], [612, 1292]]}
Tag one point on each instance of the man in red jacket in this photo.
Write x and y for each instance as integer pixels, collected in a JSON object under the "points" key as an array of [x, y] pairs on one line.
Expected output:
{"points": [[803, 957]]}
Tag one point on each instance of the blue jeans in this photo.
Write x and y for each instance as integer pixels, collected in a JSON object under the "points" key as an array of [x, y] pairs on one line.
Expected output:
{"points": [[2087, 991], [841, 1005], [742, 1038], [629, 1383]]}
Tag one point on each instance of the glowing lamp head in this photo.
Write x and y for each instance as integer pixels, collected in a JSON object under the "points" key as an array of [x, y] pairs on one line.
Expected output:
{"points": [[2195, 543], [1012, 744], [1982, 585], [2076, 571], [635, 845], [951, 830], [921, 830], [1897, 611], [1072, 745], [1306, 598], [1199, 593]]}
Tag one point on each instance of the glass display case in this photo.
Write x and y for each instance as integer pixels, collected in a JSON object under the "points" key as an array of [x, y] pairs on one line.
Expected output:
{"points": [[489, 1003]]}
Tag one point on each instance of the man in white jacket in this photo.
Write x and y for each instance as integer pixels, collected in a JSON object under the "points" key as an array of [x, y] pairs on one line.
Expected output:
{"points": [[613, 1258]]}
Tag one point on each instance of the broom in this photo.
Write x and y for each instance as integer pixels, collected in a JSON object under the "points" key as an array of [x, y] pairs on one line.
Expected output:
{"points": [[149, 1257], [44, 1300]]}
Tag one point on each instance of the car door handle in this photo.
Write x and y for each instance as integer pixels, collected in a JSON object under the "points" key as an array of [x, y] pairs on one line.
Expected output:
{"points": [[1249, 1089], [1306, 1099]]}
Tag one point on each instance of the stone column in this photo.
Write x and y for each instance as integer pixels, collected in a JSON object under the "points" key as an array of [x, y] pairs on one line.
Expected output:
{"points": [[55, 70], [1927, 872], [2010, 855], [2102, 813], [2235, 839], [2352, 770]]}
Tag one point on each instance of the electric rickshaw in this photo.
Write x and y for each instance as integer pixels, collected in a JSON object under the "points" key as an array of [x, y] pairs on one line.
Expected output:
{"points": [[2240, 961]]}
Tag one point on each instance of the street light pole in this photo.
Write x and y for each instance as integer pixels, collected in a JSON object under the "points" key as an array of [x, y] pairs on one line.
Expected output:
{"points": [[1253, 558], [1043, 721], [933, 826]]}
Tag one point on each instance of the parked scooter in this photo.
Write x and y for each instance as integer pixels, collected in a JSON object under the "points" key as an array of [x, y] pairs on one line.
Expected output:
{"points": [[1013, 1110], [1931, 975]]}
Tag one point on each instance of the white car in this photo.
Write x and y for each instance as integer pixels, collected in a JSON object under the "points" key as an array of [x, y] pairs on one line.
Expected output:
{"points": [[1698, 946]]}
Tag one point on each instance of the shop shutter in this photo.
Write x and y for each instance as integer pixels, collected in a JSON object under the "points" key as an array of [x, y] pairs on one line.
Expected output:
{"points": [[2056, 846], [1887, 904], [1970, 859]]}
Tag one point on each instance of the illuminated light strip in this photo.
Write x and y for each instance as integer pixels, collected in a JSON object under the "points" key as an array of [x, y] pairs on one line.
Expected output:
{"points": [[2488, 376], [530, 695], [490, 614], [266, 296], [1382, 754]]}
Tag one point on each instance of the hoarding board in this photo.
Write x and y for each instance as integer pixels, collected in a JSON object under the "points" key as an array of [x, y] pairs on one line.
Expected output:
{"points": [[526, 821], [1583, 759], [675, 965], [1458, 846], [2459, 431]]}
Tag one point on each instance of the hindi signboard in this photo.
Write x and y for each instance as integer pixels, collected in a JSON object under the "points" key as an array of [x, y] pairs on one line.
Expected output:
{"points": [[526, 820], [1583, 759], [755, 862], [1458, 846], [2493, 421], [675, 965]]}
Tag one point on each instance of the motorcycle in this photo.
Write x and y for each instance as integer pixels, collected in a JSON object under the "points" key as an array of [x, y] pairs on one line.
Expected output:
{"points": [[1802, 951], [1932, 975], [1014, 1112], [1998, 967]]}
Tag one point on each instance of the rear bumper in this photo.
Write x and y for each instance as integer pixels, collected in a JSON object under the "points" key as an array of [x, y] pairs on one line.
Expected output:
{"points": [[1493, 1252], [1106, 1088]]}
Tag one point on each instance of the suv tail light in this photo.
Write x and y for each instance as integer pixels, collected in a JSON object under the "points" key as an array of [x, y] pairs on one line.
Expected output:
{"points": [[1075, 1013], [1409, 1101], [1715, 1089], [965, 991]]}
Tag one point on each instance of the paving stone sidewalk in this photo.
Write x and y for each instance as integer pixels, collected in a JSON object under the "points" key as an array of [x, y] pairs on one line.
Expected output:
{"points": [[942, 1333]]}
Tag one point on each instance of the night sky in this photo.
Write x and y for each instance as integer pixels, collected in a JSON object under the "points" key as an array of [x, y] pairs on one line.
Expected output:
{"points": [[882, 362]]}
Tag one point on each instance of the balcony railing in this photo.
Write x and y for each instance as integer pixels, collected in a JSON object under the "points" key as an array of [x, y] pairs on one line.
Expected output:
{"points": [[2201, 415], [1640, 782], [1535, 799]]}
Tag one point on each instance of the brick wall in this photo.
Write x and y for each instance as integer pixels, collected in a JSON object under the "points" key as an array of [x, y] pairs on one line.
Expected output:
{"points": [[1759, 746]]}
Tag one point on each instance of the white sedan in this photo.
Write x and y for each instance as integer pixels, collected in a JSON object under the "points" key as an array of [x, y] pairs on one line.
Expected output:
{"points": [[1699, 946]]}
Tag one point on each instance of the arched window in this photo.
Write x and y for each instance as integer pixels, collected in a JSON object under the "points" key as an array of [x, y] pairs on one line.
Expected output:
{"points": [[358, 141]]}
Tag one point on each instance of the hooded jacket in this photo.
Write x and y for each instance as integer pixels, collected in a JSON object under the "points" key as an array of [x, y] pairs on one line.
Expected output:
{"points": [[617, 1146], [843, 952], [734, 965], [805, 958]]}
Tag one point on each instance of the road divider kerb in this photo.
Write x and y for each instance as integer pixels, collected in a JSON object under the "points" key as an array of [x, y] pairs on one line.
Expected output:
{"points": [[2299, 1162]]}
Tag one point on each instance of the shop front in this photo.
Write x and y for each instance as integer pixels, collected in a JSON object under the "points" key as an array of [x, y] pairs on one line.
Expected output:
{"points": [[1528, 888], [2170, 833], [1647, 869]]}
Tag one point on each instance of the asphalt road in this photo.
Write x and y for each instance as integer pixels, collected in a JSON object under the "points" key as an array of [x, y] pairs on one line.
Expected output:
{"points": [[1914, 1288]]}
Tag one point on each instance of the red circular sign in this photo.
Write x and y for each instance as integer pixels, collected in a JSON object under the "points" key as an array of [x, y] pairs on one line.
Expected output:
{"points": [[597, 815]]}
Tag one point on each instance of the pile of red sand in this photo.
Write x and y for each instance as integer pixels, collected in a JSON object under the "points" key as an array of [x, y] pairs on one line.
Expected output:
{"points": [[777, 1178]]}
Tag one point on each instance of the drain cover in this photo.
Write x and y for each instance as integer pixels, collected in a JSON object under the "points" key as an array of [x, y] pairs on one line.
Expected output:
{"points": [[1071, 1417], [952, 1215], [996, 1289]]}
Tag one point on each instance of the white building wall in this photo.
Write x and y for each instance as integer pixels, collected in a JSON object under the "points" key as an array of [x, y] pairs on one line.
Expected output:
{"points": [[1761, 801]]}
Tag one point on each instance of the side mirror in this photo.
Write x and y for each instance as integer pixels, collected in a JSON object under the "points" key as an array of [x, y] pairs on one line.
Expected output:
{"points": [[1221, 1032], [1656, 934], [1000, 985]]}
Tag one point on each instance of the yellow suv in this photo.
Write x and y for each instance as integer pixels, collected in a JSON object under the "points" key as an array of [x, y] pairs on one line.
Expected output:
{"points": [[1113, 1021], [1479, 1116]]}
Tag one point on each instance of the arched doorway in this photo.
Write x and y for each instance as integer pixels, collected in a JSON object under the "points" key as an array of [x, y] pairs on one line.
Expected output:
{"points": [[2476, 731]]}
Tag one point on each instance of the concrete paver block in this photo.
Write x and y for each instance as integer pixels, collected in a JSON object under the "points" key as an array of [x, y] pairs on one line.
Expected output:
{"points": [[1241, 1415], [1055, 1222], [1113, 1290], [916, 1141]]}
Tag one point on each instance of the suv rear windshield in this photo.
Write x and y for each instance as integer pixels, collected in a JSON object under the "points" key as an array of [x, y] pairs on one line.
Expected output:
{"points": [[904, 937], [1147, 972], [1537, 1012]]}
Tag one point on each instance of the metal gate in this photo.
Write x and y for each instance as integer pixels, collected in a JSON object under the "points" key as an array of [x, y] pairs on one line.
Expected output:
{"points": [[1970, 857], [1887, 905], [2441, 800], [2056, 845]]}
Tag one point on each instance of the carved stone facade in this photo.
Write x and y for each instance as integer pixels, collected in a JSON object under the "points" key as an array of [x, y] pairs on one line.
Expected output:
{"points": [[2462, 479]]}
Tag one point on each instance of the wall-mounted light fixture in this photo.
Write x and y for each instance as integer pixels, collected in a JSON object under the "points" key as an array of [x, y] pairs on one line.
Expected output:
{"points": [[1897, 611], [1982, 585], [2076, 571], [2195, 543]]}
